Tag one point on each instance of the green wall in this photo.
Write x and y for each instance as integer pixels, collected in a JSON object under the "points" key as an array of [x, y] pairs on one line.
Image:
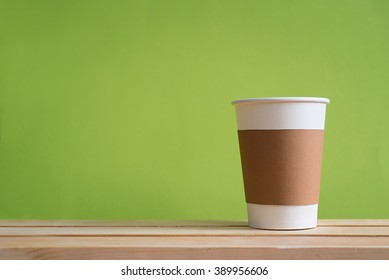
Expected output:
{"points": [[121, 109]]}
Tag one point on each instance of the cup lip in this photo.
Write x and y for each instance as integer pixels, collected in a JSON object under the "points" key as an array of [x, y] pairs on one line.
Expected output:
{"points": [[281, 100]]}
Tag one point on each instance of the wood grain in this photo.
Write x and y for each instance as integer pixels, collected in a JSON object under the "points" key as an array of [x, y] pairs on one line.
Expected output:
{"points": [[332, 239]]}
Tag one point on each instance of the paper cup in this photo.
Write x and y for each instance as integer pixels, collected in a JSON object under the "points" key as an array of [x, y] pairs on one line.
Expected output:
{"points": [[281, 146]]}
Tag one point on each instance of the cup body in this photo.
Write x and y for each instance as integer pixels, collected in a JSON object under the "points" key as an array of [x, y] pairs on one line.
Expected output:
{"points": [[281, 146]]}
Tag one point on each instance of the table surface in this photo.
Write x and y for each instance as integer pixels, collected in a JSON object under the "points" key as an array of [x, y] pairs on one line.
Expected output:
{"points": [[64, 239]]}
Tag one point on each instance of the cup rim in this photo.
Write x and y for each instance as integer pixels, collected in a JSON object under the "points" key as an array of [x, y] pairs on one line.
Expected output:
{"points": [[281, 100]]}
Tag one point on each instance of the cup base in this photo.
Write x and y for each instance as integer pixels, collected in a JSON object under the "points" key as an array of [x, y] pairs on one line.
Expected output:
{"points": [[282, 217]]}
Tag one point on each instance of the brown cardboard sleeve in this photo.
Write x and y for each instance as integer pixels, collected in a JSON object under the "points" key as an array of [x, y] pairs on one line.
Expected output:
{"points": [[281, 167]]}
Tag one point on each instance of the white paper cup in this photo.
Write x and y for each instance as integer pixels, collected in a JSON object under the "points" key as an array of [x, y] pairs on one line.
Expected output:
{"points": [[281, 143]]}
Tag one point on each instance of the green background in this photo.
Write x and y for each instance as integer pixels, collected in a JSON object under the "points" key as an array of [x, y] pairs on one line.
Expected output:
{"points": [[121, 109]]}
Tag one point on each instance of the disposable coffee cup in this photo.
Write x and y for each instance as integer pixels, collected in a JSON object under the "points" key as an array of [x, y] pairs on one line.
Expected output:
{"points": [[281, 147]]}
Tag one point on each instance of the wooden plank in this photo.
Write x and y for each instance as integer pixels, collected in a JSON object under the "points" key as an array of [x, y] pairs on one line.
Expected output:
{"points": [[357, 223], [195, 242], [194, 248], [194, 254], [169, 223], [332, 239], [189, 231], [119, 223]]}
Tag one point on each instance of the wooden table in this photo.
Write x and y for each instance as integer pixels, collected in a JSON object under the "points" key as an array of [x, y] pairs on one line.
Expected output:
{"points": [[332, 239]]}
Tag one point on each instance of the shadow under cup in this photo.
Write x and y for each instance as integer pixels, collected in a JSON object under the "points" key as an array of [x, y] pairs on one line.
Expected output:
{"points": [[281, 146]]}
